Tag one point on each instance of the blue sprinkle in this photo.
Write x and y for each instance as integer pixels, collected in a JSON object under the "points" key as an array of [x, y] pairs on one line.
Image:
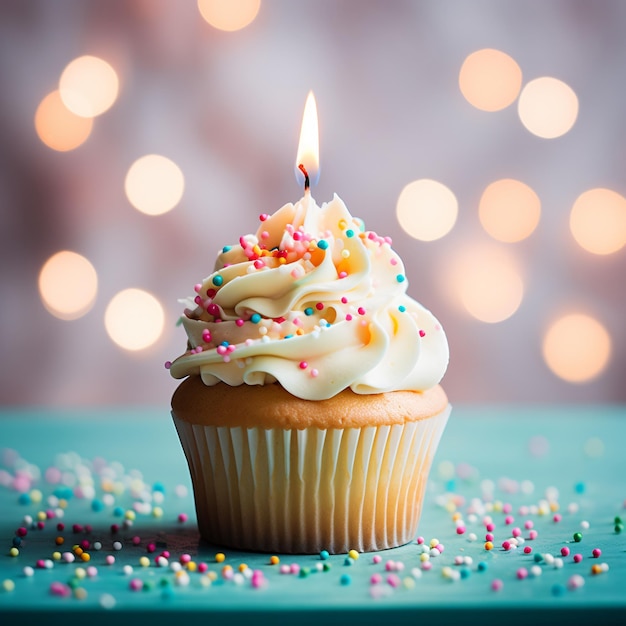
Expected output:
{"points": [[97, 505], [324, 554], [345, 579], [118, 511], [226, 248], [558, 589], [63, 493], [579, 487], [451, 485], [350, 233], [225, 343], [308, 311], [17, 542], [482, 566], [400, 278], [322, 244], [402, 308], [348, 561], [287, 336], [217, 280], [465, 572], [24, 498], [256, 318], [158, 487]]}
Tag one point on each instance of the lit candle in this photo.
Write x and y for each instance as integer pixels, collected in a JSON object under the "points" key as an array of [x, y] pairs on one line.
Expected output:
{"points": [[307, 158]]}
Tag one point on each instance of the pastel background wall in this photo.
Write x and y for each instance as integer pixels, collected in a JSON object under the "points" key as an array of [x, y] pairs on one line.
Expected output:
{"points": [[503, 194]]}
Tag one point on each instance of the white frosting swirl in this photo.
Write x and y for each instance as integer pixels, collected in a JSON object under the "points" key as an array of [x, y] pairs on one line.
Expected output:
{"points": [[316, 303]]}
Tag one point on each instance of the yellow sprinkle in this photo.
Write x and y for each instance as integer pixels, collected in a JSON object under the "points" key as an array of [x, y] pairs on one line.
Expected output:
{"points": [[282, 260], [408, 582], [353, 554], [554, 506], [80, 572], [205, 581], [144, 561], [80, 593], [107, 485], [85, 556], [342, 224], [8, 585], [41, 516], [450, 506], [130, 515], [14, 552], [56, 556], [274, 560], [456, 516], [62, 503], [424, 556], [243, 567], [211, 575], [157, 511], [36, 496], [488, 545], [192, 566], [497, 506], [220, 557], [434, 543]]}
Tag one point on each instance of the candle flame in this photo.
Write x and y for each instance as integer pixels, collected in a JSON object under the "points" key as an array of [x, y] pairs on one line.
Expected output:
{"points": [[309, 144]]}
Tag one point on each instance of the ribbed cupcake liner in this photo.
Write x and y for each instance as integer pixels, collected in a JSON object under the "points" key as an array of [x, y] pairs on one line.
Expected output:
{"points": [[302, 491]]}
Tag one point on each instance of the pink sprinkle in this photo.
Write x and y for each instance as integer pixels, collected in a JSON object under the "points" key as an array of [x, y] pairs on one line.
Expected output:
{"points": [[136, 584], [420, 540], [375, 579], [497, 584], [343, 274], [319, 306], [507, 508], [185, 558], [578, 558], [314, 373], [506, 545], [361, 311], [110, 559], [265, 235], [522, 573], [460, 530], [182, 517], [197, 287], [59, 589], [348, 317], [295, 568], [258, 264], [394, 261], [422, 333], [202, 567], [528, 524], [151, 547], [516, 532], [440, 547], [240, 323], [284, 569], [263, 216], [344, 300], [489, 537], [390, 566], [527, 549], [21, 532], [490, 526], [393, 580], [564, 551], [509, 519], [258, 580], [427, 565], [557, 517], [596, 552], [303, 365], [136, 541], [533, 534], [377, 558]]}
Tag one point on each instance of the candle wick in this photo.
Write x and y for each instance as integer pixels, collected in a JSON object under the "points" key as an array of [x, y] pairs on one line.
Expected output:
{"points": [[306, 176]]}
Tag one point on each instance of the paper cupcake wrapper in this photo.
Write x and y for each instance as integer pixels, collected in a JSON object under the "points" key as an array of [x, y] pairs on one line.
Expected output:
{"points": [[302, 491]]}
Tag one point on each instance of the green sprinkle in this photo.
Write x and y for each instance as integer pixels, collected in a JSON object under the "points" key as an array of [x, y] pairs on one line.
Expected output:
{"points": [[218, 280], [304, 572], [578, 537], [308, 311], [619, 528], [322, 244], [326, 566], [349, 233], [256, 318]]}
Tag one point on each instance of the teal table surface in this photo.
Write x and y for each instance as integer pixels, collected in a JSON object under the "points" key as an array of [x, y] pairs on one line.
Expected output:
{"points": [[118, 482]]}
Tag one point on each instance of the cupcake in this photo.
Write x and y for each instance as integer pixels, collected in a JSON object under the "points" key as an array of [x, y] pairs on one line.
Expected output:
{"points": [[311, 407]]}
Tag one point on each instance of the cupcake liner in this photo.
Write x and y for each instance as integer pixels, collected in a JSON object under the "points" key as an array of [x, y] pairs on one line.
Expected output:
{"points": [[302, 491]]}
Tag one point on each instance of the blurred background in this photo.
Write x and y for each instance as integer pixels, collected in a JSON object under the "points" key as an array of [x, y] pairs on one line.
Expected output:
{"points": [[486, 137]]}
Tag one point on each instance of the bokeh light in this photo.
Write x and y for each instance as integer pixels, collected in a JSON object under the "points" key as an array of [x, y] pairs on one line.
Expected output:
{"points": [[487, 282], [426, 209], [134, 319], [229, 15], [59, 128], [490, 79], [548, 107], [509, 210], [577, 347], [88, 86], [154, 184], [68, 285], [598, 221]]}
